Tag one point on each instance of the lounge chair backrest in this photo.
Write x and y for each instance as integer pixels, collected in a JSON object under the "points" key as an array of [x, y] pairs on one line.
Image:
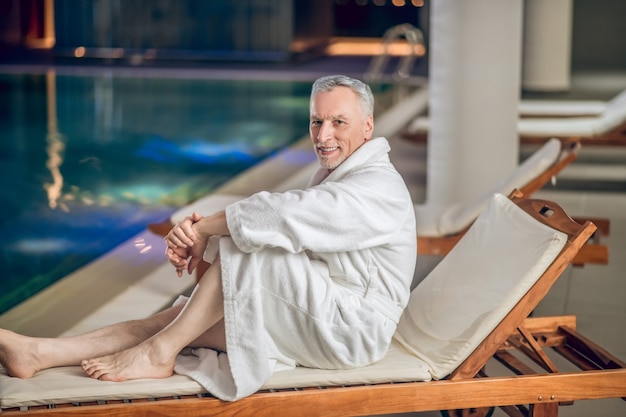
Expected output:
{"points": [[459, 216], [611, 118], [475, 286], [615, 113]]}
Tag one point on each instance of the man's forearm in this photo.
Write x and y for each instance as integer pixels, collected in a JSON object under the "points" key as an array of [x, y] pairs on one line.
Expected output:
{"points": [[212, 225]]}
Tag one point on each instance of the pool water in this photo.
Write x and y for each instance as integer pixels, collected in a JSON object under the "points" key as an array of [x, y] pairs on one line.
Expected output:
{"points": [[88, 161]]}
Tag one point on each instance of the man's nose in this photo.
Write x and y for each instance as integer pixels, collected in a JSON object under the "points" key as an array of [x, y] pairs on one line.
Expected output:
{"points": [[325, 132]]}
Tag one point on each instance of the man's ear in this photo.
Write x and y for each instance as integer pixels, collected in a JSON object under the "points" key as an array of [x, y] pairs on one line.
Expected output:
{"points": [[369, 127]]}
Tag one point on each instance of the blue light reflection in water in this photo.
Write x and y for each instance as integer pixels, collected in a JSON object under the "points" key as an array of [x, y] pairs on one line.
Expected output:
{"points": [[88, 161]]}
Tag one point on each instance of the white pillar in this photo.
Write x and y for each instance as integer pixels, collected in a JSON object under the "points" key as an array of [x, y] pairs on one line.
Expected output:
{"points": [[547, 45], [474, 81]]}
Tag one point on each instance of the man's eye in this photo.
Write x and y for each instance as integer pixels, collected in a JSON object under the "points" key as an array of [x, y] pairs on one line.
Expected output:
{"points": [[315, 123]]}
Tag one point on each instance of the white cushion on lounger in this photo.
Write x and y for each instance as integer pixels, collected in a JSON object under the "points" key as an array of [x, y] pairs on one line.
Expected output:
{"points": [[69, 384], [473, 288], [567, 108], [613, 115], [544, 108], [458, 217]]}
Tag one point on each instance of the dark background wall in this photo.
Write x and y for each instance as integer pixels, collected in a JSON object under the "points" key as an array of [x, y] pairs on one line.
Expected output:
{"points": [[249, 29], [268, 29], [599, 35]]}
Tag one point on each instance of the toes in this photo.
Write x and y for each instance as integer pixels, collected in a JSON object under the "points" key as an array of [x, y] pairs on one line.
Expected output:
{"points": [[91, 369], [101, 375], [97, 370], [85, 364]]}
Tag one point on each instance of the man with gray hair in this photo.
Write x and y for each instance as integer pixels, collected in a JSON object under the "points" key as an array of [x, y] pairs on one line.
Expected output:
{"points": [[316, 277]]}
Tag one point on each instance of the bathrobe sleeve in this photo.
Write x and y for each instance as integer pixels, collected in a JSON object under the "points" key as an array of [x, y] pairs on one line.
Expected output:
{"points": [[360, 210]]}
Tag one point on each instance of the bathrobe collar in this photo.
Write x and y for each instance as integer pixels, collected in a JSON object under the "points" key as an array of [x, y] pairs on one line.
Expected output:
{"points": [[372, 149]]}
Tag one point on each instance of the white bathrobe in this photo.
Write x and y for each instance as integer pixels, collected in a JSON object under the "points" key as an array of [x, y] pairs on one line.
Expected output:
{"points": [[315, 277]]}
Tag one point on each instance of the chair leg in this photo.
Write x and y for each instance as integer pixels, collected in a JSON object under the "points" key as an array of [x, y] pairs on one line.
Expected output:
{"points": [[544, 410]]}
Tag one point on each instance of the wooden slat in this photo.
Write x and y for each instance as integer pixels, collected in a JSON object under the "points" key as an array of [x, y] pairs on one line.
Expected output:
{"points": [[512, 363], [549, 324], [603, 224], [592, 253], [593, 351], [576, 358], [536, 353]]}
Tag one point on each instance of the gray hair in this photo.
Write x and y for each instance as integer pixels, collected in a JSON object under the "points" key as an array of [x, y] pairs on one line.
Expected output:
{"points": [[362, 90]]}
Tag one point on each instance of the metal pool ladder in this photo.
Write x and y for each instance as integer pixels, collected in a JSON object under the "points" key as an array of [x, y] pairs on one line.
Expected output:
{"points": [[415, 38]]}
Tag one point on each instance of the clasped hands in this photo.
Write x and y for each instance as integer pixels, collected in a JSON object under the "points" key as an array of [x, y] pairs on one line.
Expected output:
{"points": [[185, 246]]}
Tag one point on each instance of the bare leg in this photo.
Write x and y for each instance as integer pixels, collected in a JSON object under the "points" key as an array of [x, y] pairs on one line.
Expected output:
{"points": [[23, 356], [154, 357]]}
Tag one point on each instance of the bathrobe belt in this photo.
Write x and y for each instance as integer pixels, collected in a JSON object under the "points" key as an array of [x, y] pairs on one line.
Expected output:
{"points": [[383, 303]]}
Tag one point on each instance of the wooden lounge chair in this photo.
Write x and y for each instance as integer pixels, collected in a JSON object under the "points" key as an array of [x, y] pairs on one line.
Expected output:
{"points": [[446, 228], [593, 123], [439, 359]]}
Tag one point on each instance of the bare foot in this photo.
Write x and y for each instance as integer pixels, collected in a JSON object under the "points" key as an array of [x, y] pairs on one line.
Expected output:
{"points": [[146, 360], [18, 355]]}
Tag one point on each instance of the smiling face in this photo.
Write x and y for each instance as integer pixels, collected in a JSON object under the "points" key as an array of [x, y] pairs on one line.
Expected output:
{"points": [[338, 125]]}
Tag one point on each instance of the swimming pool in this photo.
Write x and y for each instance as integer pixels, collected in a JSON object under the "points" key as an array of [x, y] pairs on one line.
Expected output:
{"points": [[89, 160]]}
